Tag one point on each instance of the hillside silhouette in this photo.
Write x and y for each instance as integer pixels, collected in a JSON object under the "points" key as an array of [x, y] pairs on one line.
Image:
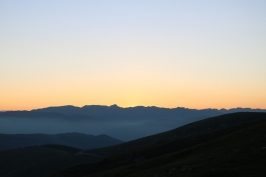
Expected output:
{"points": [[40, 161], [235, 146], [77, 140], [228, 144]]}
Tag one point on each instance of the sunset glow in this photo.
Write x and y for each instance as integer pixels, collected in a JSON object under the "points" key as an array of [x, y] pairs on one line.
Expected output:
{"points": [[195, 54]]}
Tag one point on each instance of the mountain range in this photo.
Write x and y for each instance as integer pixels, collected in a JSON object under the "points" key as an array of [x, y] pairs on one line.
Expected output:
{"points": [[122, 123], [226, 145]]}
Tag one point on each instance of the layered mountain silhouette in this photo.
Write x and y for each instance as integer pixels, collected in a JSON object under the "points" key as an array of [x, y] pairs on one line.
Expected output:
{"points": [[228, 122], [226, 145], [122, 123]]}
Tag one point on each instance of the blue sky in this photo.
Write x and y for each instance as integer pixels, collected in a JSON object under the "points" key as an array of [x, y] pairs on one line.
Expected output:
{"points": [[163, 53]]}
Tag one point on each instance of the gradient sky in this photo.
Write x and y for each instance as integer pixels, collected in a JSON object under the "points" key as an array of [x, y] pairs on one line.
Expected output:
{"points": [[167, 53]]}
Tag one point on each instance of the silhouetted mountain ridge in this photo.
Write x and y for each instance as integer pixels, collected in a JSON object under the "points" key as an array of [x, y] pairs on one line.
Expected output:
{"points": [[122, 123], [89, 109], [203, 126], [227, 145]]}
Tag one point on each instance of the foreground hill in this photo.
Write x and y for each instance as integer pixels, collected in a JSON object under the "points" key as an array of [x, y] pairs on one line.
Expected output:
{"points": [[242, 153], [198, 127], [40, 161], [148, 156], [78, 140]]}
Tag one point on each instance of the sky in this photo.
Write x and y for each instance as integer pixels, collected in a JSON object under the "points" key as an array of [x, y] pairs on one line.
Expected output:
{"points": [[167, 53]]}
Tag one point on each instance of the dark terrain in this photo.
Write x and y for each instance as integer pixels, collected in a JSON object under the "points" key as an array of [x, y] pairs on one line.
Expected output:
{"points": [[227, 145], [31, 155], [40, 161], [77, 140]]}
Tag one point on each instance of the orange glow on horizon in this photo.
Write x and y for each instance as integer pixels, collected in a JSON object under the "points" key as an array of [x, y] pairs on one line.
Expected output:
{"points": [[132, 53], [133, 92]]}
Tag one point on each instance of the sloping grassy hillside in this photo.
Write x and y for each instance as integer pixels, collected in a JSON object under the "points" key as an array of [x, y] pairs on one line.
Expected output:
{"points": [[78, 140], [203, 126], [38, 161], [242, 153], [135, 156]]}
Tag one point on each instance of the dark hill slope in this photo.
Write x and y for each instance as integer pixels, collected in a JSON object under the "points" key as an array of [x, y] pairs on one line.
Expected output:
{"points": [[171, 145], [202, 126], [68, 149], [242, 153], [239, 153], [78, 140], [39, 161]]}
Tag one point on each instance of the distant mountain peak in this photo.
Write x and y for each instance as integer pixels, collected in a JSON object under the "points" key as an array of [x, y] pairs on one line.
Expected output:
{"points": [[114, 106]]}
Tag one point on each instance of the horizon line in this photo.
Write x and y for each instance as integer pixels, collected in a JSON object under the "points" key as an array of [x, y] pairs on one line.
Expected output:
{"points": [[125, 107]]}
